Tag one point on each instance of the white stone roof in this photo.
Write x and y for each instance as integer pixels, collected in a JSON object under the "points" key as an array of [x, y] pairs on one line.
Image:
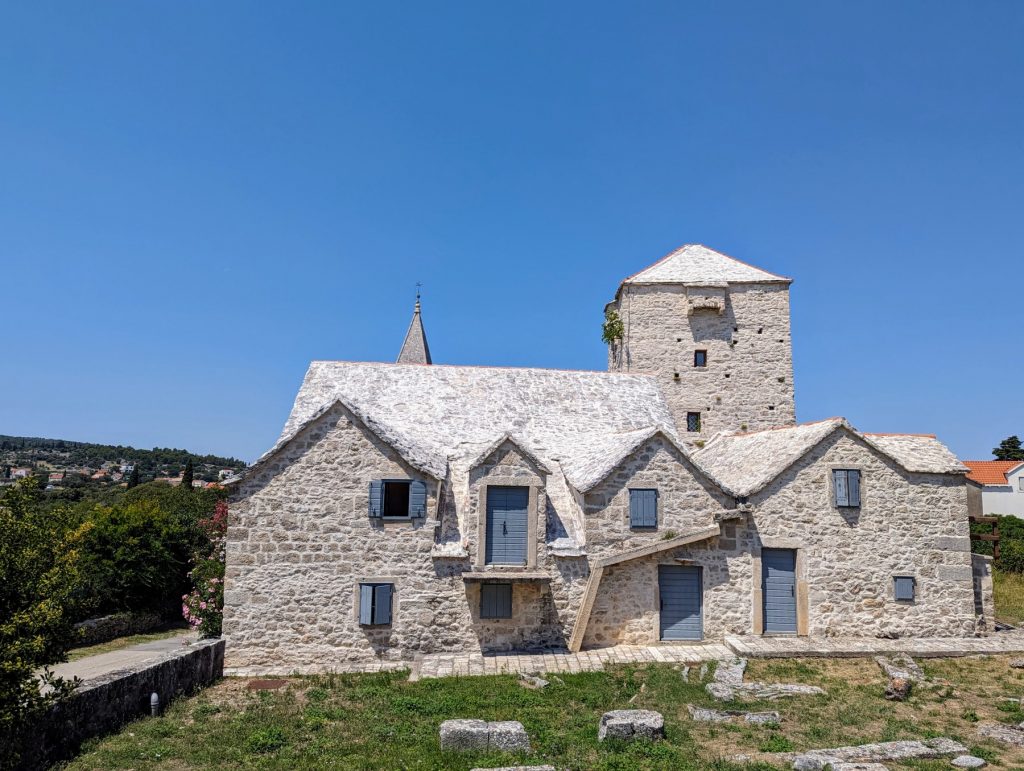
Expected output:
{"points": [[699, 265], [918, 452], [438, 413], [745, 463]]}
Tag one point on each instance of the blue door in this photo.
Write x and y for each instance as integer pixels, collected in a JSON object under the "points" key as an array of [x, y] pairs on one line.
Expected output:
{"points": [[778, 584], [682, 602], [506, 525]]}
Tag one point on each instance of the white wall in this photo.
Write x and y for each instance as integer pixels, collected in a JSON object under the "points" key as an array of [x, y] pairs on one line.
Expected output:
{"points": [[1008, 499]]}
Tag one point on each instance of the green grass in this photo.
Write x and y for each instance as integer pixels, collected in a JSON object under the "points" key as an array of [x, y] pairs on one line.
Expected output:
{"points": [[1009, 596], [124, 642], [384, 721]]}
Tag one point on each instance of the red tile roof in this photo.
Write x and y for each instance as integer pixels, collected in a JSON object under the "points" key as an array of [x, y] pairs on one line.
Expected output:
{"points": [[990, 472]]}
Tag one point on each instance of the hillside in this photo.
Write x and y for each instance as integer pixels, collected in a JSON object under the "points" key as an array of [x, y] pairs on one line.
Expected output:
{"points": [[85, 457]]}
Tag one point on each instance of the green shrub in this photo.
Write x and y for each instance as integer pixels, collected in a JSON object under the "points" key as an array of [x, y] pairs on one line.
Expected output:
{"points": [[776, 743], [135, 556], [1011, 556]]}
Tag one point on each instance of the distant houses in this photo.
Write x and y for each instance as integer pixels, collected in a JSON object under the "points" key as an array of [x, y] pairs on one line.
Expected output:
{"points": [[999, 484]]}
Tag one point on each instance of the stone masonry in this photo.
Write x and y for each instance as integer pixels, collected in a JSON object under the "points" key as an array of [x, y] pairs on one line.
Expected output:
{"points": [[302, 540]]}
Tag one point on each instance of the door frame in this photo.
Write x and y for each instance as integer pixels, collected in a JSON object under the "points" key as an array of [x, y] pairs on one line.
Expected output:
{"points": [[757, 596], [700, 586]]}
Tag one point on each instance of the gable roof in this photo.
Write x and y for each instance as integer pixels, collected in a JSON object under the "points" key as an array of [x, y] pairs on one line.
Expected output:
{"points": [[441, 413], [991, 472], [748, 462], [414, 348], [697, 264]]}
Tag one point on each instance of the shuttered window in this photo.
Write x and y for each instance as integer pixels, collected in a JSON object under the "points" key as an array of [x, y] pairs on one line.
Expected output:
{"points": [[700, 358], [643, 508], [496, 601], [904, 588], [398, 499], [846, 486], [375, 604]]}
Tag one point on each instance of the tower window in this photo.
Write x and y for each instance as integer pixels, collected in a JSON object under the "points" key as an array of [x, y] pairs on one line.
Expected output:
{"points": [[693, 422], [700, 358]]}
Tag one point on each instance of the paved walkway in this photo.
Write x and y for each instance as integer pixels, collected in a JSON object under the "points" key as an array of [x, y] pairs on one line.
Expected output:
{"points": [[105, 663], [852, 647], [449, 664]]}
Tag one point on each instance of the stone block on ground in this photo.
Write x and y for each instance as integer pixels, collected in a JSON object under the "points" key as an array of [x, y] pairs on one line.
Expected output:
{"points": [[901, 665], [1002, 733], [730, 671], [533, 682], [704, 715], [461, 735], [631, 724], [968, 761], [1017, 663], [858, 767], [875, 753], [507, 736], [898, 689]]}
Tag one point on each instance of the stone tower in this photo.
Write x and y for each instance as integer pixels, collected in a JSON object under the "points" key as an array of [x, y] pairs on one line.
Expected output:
{"points": [[716, 332]]}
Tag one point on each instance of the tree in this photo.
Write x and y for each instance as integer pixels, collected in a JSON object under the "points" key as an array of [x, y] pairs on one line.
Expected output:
{"points": [[187, 475], [38, 583], [133, 477], [1009, 449]]}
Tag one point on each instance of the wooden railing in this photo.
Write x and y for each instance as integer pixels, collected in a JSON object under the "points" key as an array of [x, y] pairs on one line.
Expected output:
{"points": [[992, 537]]}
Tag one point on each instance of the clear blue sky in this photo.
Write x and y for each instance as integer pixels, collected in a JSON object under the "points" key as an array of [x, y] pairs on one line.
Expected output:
{"points": [[196, 198]]}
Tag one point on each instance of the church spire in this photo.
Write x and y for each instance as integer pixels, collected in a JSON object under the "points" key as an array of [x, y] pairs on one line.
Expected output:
{"points": [[415, 349]]}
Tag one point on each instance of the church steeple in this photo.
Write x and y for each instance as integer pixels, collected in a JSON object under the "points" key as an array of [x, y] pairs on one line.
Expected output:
{"points": [[415, 349]]}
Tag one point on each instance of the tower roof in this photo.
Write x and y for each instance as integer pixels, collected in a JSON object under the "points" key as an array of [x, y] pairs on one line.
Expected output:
{"points": [[415, 349], [697, 264]]}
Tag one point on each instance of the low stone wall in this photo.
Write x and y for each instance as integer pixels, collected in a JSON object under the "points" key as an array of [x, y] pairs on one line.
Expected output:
{"points": [[105, 703], [105, 628]]}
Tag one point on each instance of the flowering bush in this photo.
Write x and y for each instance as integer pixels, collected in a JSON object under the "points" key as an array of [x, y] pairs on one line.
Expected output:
{"points": [[203, 607]]}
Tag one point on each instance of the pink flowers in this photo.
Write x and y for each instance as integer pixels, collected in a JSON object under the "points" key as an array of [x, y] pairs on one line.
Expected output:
{"points": [[203, 607]]}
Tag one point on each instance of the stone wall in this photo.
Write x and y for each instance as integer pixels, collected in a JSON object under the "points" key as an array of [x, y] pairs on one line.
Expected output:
{"points": [[104, 704], [748, 380], [908, 524]]}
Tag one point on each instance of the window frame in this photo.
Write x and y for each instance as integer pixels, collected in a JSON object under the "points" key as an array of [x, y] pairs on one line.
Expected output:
{"points": [[697, 355], [1020, 484], [504, 586], [384, 499], [657, 497], [375, 612], [689, 416], [896, 591]]}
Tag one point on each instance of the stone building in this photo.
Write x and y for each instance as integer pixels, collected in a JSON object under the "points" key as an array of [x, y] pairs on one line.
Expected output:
{"points": [[415, 508]]}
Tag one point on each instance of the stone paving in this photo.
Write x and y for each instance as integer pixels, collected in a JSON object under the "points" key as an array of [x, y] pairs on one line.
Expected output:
{"points": [[447, 665], [473, 664], [848, 647]]}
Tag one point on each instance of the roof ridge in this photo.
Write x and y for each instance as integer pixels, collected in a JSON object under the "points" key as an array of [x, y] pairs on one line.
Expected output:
{"points": [[895, 433], [485, 366], [784, 428]]}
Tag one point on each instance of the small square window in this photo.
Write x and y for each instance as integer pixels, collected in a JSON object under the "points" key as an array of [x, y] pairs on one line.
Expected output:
{"points": [[396, 498], [375, 604], [700, 358], [693, 422], [496, 601], [903, 589]]}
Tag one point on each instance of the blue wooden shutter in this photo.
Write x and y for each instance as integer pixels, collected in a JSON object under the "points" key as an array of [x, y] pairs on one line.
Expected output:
{"points": [[496, 601], [365, 604], [842, 489], [376, 498], [643, 508], [382, 604], [854, 484], [417, 499], [904, 588]]}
